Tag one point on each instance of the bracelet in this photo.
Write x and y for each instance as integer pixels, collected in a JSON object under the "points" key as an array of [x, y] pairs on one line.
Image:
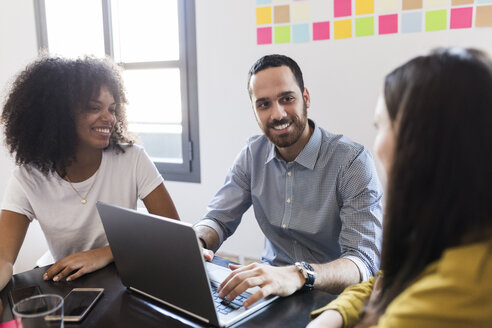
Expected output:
{"points": [[204, 244]]}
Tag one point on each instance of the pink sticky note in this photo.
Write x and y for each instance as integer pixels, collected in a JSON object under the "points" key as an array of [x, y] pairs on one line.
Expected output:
{"points": [[388, 24], [8, 324], [264, 35], [342, 8], [321, 31], [461, 17]]}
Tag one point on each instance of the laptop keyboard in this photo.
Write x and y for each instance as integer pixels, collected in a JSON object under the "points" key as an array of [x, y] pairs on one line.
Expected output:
{"points": [[223, 306]]}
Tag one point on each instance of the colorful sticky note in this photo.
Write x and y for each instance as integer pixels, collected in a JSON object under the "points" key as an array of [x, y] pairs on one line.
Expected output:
{"points": [[300, 11], [364, 7], [436, 3], [263, 15], [343, 29], [300, 33], [461, 2], [281, 14], [342, 8], [388, 24], [282, 34], [435, 20], [263, 2], [321, 31], [364, 26], [264, 35], [461, 17], [411, 4], [483, 16], [484, 1], [388, 5], [411, 22]]}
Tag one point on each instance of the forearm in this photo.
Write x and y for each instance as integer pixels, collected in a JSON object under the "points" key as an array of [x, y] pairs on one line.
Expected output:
{"points": [[6, 271], [329, 318], [209, 236], [335, 276]]}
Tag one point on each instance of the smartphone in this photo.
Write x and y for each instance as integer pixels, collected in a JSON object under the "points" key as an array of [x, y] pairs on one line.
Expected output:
{"points": [[77, 303], [15, 295]]}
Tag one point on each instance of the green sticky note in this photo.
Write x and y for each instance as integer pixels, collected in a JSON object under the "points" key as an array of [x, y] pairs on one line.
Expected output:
{"points": [[282, 34], [435, 20], [364, 26]]}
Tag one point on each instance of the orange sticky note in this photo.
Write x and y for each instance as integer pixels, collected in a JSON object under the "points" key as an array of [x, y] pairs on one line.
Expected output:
{"points": [[281, 14], [483, 16]]}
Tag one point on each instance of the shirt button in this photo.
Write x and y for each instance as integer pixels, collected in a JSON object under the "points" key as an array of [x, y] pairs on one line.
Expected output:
{"points": [[289, 173], [284, 226], [288, 200]]}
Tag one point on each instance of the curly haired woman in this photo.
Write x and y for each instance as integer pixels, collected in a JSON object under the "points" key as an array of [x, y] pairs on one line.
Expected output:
{"points": [[65, 124]]}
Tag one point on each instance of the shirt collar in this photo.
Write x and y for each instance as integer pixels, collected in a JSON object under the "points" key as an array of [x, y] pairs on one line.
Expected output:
{"points": [[308, 156]]}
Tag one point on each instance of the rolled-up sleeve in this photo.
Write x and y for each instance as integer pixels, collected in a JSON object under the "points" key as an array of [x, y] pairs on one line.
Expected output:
{"points": [[361, 214]]}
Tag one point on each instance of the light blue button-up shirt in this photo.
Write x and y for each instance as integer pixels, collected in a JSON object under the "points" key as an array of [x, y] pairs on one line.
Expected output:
{"points": [[324, 205]]}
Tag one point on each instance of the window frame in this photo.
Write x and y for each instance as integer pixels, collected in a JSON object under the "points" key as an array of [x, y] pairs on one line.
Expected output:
{"points": [[189, 170]]}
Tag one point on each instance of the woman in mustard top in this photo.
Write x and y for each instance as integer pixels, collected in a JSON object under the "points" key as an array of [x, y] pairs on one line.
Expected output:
{"points": [[434, 140]]}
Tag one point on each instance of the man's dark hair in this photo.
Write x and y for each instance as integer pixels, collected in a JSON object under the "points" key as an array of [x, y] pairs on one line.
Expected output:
{"points": [[277, 61], [439, 182], [39, 114]]}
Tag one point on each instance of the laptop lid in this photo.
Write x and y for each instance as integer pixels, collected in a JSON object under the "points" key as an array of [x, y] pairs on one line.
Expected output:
{"points": [[161, 258]]}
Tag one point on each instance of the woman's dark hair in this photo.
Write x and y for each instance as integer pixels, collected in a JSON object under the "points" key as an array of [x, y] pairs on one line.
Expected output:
{"points": [[439, 189], [39, 114], [277, 61]]}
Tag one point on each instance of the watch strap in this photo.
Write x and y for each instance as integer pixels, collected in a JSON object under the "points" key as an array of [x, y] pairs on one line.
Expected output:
{"points": [[309, 274]]}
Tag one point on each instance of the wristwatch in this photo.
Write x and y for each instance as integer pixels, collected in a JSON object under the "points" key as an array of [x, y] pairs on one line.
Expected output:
{"points": [[308, 273]]}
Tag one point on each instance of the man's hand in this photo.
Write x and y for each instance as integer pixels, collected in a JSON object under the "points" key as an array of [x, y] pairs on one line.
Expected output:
{"points": [[208, 254], [82, 263], [282, 281]]}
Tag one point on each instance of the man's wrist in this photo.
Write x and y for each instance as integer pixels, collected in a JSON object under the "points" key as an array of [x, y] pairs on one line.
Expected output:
{"points": [[308, 273]]}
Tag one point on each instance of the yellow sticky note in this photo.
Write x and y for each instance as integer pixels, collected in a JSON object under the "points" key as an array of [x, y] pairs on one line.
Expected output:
{"points": [[263, 15], [364, 7], [343, 29], [300, 11]]}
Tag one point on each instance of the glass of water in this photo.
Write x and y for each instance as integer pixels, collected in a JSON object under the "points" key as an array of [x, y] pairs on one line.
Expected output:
{"points": [[40, 311]]}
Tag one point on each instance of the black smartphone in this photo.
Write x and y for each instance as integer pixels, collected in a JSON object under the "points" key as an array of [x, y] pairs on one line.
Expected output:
{"points": [[15, 295], [77, 303]]}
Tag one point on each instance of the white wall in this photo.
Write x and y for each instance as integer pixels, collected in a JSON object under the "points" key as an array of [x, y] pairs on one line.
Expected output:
{"points": [[344, 78]]}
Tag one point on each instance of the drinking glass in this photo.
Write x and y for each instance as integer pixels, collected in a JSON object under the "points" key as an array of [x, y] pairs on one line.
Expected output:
{"points": [[40, 311]]}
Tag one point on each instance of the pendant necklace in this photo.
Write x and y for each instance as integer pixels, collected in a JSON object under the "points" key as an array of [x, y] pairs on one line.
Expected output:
{"points": [[83, 200]]}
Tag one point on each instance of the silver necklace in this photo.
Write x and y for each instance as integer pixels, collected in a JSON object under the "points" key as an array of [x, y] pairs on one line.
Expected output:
{"points": [[83, 200]]}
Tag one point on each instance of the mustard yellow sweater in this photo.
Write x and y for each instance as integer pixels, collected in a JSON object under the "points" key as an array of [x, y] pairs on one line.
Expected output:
{"points": [[455, 291]]}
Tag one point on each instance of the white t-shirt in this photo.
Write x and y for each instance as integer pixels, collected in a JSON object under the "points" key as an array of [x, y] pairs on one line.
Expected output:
{"points": [[69, 225]]}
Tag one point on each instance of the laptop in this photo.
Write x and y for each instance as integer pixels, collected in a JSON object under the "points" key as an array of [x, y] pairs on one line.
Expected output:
{"points": [[162, 259]]}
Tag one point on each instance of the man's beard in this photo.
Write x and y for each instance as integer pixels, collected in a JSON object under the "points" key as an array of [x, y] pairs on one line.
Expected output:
{"points": [[287, 139]]}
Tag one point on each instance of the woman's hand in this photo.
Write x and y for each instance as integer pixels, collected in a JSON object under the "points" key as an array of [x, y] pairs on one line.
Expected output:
{"points": [[82, 263], [327, 319]]}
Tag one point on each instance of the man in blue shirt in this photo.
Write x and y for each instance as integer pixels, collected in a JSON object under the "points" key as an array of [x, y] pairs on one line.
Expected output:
{"points": [[316, 196]]}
